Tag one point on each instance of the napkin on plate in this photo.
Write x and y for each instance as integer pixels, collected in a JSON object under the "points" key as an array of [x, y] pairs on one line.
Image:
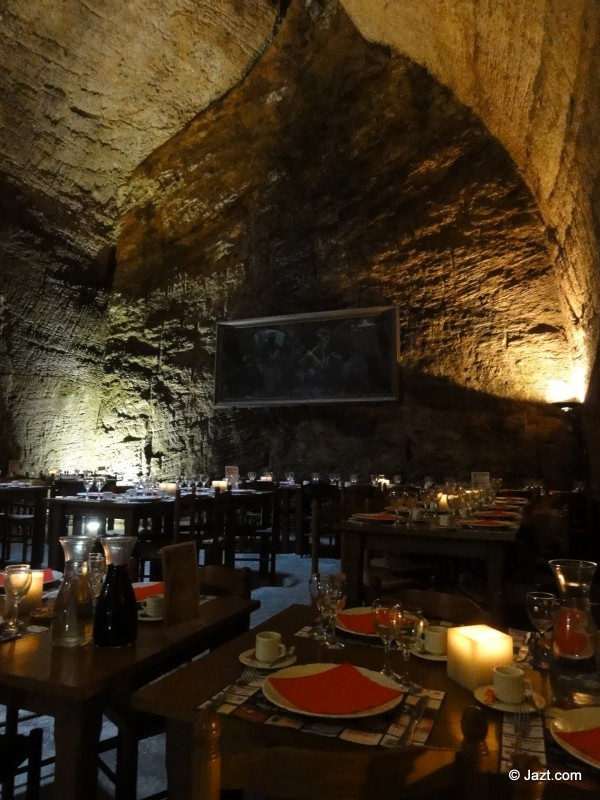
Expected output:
{"points": [[587, 742], [142, 592], [341, 690], [360, 623]]}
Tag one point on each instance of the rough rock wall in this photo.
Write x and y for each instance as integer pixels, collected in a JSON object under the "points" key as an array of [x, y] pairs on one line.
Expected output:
{"points": [[531, 73], [336, 175], [87, 91]]}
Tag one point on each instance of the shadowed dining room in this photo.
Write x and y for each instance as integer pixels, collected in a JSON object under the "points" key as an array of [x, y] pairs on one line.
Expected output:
{"points": [[309, 291]]}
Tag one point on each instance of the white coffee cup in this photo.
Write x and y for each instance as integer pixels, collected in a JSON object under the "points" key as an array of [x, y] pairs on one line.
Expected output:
{"points": [[510, 685], [154, 605], [268, 647], [435, 639], [417, 514]]}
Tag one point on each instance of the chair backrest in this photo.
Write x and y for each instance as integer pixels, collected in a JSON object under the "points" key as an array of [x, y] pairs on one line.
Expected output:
{"points": [[444, 606], [225, 581], [182, 587]]}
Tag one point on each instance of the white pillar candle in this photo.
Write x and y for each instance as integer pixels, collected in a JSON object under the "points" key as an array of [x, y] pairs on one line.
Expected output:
{"points": [[33, 598], [221, 485], [474, 651]]}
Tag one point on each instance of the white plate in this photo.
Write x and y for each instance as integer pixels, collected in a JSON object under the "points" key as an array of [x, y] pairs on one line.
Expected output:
{"points": [[537, 704], [143, 617], [247, 658], [427, 656], [358, 612], [303, 670], [578, 719]]}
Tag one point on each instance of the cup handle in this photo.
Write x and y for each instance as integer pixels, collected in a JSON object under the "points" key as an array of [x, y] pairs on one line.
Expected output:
{"points": [[282, 651]]}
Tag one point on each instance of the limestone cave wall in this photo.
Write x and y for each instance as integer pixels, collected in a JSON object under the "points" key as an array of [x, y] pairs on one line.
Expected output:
{"points": [[292, 159]]}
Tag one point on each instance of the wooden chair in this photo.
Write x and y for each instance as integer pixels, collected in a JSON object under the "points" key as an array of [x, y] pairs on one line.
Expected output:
{"points": [[225, 581], [17, 528], [182, 581], [293, 773], [443, 606], [19, 753]]}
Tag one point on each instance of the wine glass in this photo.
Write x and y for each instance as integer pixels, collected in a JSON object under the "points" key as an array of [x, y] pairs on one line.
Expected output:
{"points": [[88, 482], [407, 624], [335, 600], [289, 477], [396, 499], [251, 477], [17, 580], [96, 569], [318, 587], [541, 609], [383, 613], [203, 478]]}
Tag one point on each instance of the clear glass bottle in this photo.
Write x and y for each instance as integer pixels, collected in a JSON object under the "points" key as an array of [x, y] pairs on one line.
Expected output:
{"points": [[115, 621], [73, 616], [575, 657]]}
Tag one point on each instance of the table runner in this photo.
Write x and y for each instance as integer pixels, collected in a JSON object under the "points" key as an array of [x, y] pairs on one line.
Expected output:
{"points": [[246, 700]]}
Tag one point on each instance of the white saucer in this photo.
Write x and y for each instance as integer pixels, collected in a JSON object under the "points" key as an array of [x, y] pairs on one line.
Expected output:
{"points": [[143, 617], [427, 656], [534, 704], [247, 658]]}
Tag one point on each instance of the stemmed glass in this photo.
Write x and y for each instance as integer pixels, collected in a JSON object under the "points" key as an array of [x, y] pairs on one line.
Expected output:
{"points": [[203, 478], [88, 482], [251, 477], [396, 501], [383, 614], [289, 477], [318, 586], [407, 623], [335, 600], [541, 609], [96, 567], [17, 580]]}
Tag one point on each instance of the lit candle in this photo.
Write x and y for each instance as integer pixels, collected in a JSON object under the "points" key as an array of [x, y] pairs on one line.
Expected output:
{"points": [[474, 651], [33, 598], [220, 485], [442, 502]]}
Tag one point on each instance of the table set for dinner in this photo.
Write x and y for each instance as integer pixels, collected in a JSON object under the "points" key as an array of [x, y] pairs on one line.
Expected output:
{"points": [[58, 671], [289, 684]]}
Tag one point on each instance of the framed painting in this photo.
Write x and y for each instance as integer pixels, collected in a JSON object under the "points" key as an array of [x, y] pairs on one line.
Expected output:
{"points": [[347, 356]]}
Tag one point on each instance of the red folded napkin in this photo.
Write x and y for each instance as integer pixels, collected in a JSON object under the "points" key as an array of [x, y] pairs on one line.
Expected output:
{"points": [[381, 516], [360, 623], [341, 690], [48, 576], [588, 742], [142, 592]]}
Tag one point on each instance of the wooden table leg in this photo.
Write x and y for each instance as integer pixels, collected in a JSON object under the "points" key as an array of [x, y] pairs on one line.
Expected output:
{"points": [[193, 761], [76, 734], [352, 564]]}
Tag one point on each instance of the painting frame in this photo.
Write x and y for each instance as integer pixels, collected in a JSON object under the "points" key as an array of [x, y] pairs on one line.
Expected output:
{"points": [[342, 356]]}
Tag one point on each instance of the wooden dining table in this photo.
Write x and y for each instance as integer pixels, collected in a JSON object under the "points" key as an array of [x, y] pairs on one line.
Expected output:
{"points": [[177, 698], [488, 545], [131, 511], [74, 685]]}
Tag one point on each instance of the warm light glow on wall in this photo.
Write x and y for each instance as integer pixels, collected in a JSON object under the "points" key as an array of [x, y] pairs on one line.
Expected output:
{"points": [[573, 389]]}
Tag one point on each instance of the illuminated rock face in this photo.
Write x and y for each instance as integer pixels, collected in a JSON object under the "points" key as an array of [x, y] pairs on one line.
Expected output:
{"points": [[335, 174]]}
